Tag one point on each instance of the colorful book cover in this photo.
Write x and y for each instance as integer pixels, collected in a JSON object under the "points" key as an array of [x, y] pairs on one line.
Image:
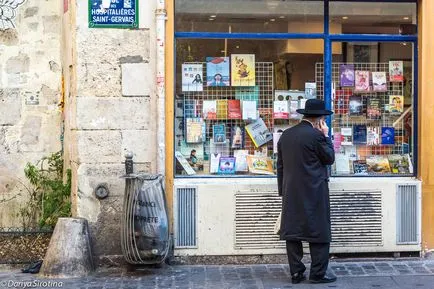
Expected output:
{"points": [[396, 104], [341, 101], [222, 109], [310, 90], [400, 164], [190, 108], [346, 72], [259, 132], [276, 137], [360, 167], [192, 77], [379, 81], [359, 134], [373, 136], [337, 141], [195, 130], [387, 135], [293, 106], [250, 111], [396, 71], [260, 165], [234, 109], [241, 160], [247, 93], [361, 81], [373, 108], [378, 164], [217, 71], [209, 109], [280, 110], [347, 136], [355, 105], [243, 70], [237, 137], [227, 165], [219, 133]]}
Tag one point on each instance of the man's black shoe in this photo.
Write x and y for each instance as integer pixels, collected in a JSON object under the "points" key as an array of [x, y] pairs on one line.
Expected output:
{"points": [[298, 277], [326, 279]]}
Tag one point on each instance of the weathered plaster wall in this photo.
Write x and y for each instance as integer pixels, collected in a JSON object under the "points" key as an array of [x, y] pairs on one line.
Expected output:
{"points": [[115, 111], [30, 89]]}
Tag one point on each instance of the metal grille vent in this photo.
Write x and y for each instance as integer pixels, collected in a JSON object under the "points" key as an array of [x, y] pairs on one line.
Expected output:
{"points": [[356, 218], [185, 223], [255, 216], [407, 215]]}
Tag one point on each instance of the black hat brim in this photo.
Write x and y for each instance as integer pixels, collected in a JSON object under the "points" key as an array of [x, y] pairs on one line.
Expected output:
{"points": [[315, 112]]}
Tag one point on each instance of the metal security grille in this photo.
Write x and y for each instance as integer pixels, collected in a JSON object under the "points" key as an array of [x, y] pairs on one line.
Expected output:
{"points": [[356, 219], [407, 215], [255, 216], [186, 216]]}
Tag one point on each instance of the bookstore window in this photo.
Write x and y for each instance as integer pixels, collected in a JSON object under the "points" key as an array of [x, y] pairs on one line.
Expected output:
{"points": [[235, 97], [358, 17], [372, 125], [232, 16]]}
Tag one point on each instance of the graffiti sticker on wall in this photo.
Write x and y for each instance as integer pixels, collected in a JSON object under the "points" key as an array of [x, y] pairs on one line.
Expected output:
{"points": [[113, 13], [8, 13]]}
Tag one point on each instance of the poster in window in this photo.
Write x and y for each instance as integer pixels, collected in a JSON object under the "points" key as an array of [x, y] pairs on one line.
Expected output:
{"points": [[243, 70], [217, 71], [192, 77], [396, 71]]}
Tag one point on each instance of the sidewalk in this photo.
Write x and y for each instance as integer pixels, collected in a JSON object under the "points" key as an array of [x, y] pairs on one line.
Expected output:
{"points": [[354, 275]]}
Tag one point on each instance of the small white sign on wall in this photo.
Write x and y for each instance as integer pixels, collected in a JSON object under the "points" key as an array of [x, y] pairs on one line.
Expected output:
{"points": [[8, 12]]}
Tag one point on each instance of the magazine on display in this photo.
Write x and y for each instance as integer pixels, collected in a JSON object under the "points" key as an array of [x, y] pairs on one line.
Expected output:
{"points": [[387, 135], [241, 160], [214, 163], [184, 163], [359, 134], [396, 104], [195, 130], [280, 110], [378, 164], [234, 109], [310, 90], [222, 109], [347, 136], [250, 111], [337, 141], [227, 165], [360, 167], [356, 105], [346, 74], [293, 106], [259, 132], [342, 164], [276, 137], [217, 71], [243, 70], [379, 81], [260, 165], [209, 109], [237, 137], [400, 164], [219, 133], [192, 77], [373, 135], [396, 71], [361, 81], [373, 108]]}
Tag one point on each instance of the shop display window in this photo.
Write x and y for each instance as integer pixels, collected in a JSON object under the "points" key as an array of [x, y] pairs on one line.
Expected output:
{"points": [[235, 97]]}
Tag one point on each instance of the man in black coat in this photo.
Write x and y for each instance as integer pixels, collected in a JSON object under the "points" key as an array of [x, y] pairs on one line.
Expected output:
{"points": [[304, 152]]}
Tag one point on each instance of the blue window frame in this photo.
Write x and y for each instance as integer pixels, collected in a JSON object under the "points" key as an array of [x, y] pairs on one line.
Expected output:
{"points": [[329, 39]]}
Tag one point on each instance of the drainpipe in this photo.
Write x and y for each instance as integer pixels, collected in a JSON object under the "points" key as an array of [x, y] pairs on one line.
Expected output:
{"points": [[160, 16]]}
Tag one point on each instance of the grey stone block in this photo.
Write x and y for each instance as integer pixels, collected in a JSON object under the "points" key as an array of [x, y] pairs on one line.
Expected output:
{"points": [[18, 64], [10, 106]]}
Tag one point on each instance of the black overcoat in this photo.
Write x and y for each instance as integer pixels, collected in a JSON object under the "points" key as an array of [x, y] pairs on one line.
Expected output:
{"points": [[303, 155]]}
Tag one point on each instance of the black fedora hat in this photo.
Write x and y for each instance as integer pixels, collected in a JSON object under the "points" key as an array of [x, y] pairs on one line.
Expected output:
{"points": [[314, 107]]}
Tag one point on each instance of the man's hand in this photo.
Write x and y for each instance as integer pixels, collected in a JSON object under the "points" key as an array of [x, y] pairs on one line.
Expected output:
{"points": [[324, 128]]}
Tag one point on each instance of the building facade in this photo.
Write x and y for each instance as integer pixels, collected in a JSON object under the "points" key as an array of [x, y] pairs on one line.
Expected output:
{"points": [[192, 75]]}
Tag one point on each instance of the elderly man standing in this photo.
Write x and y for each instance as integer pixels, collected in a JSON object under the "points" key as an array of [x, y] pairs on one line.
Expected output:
{"points": [[304, 152]]}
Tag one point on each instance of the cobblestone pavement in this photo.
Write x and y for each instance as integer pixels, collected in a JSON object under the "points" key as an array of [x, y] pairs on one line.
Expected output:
{"points": [[381, 274]]}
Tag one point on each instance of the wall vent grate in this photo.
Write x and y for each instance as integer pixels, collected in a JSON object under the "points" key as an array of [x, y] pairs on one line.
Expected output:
{"points": [[186, 217]]}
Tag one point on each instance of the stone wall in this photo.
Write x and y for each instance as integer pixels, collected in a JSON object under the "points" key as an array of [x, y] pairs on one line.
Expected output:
{"points": [[114, 111], [30, 92]]}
